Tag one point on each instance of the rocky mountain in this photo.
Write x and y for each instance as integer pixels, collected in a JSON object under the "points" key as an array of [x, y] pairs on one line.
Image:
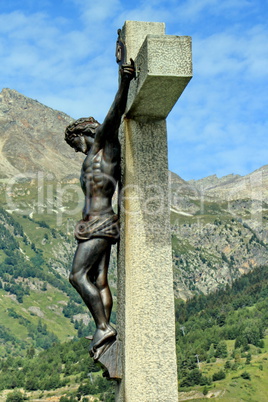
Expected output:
{"points": [[32, 138], [233, 187], [219, 230], [219, 225]]}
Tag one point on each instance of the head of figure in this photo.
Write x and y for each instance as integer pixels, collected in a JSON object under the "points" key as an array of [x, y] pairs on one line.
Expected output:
{"points": [[80, 134]]}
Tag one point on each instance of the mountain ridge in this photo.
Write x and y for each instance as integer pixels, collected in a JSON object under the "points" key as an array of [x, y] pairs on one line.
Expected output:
{"points": [[235, 186], [32, 138], [219, 225]]}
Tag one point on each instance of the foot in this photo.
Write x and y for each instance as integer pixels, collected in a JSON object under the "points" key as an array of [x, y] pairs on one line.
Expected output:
{"points": [[98, 352], [101, 336]]}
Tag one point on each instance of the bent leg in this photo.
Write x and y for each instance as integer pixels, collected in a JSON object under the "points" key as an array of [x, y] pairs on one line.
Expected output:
{"points": [[87, 255], [85, 268]]}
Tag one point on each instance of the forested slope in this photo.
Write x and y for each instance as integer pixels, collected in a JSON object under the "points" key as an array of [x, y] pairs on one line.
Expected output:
{"points": [[222, 349], [222, 339], [219, 233], [38, 305]]}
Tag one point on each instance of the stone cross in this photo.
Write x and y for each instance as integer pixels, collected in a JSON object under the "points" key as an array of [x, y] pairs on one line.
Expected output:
{"points": [[145, 309]]}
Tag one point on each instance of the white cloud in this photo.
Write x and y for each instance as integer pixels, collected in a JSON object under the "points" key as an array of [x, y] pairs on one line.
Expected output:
{"points": [[44, 55], [182, 12], [97, 11], [192, 10], [230, 54], [67, 62]]}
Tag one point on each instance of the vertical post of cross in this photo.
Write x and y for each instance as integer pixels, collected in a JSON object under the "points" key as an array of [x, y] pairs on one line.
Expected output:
{"points": [[145, 312]]}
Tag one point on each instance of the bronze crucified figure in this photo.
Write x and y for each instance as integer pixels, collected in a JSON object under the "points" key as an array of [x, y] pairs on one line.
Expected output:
{"points": [[99, 227]]}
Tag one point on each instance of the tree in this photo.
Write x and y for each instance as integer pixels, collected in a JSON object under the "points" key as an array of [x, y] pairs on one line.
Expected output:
{"points": [[248, 358], [241, 341], [51, 381], [219, 375], [205, 390], [246, 375], [30, 352], [252, 333], [227, 365], [31, 383], [221, 350], [194, 376], [15, 396], [211, 352]]}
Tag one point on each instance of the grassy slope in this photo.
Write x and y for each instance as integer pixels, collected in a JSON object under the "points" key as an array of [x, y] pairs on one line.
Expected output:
{"points": [[39, 304], [234, 387], [252, 289], [56, 245]]}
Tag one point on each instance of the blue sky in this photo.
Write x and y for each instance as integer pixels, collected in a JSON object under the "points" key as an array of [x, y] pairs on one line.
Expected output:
{"points": [[62, 54]]}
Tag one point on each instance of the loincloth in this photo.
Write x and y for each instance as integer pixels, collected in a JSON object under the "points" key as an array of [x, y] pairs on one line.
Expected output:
{"points": [[101, 226]]}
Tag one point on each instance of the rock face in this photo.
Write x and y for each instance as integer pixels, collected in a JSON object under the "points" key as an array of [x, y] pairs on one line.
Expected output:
{"points": [[210, 252], [219, 230], [32, 138], [219, 225]]}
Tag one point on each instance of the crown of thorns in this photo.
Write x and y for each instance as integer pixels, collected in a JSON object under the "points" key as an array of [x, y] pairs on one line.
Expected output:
{"points": [[83, 126]]}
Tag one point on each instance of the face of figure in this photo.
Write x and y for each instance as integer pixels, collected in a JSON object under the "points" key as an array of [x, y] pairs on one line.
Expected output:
{"points": [[82, 144]]}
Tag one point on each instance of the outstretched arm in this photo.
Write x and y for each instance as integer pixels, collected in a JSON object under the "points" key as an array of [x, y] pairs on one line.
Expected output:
{"points": [[109, 129]]}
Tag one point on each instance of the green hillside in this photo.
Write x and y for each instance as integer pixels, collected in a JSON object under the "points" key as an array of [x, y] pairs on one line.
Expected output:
{"points": [[219, 230], [64, 371], [38, 305], [222, 342], [222, 350]]}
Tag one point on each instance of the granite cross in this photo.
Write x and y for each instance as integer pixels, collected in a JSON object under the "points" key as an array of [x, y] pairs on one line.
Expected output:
{"points": [[145, 300]]}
